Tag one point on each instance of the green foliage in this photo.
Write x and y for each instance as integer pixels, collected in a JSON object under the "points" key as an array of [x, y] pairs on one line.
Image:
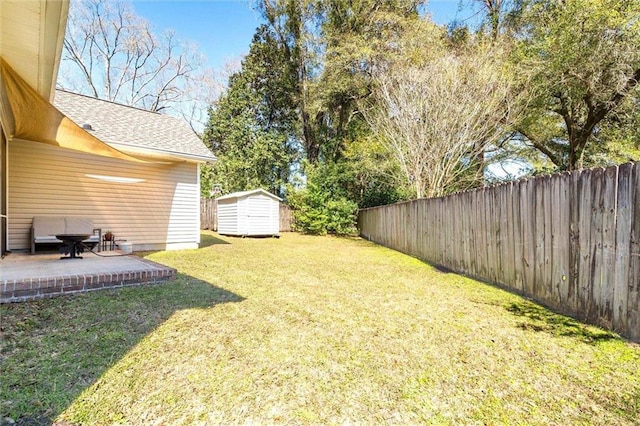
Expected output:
{"points": [[581, 63], [617, 139], [370, 176], [252, 128], [313, 66], [208, 179], [322, 207], [364, 177]]}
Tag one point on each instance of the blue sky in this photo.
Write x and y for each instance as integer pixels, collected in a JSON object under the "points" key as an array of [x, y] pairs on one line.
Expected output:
{"points": [[223, 29]]}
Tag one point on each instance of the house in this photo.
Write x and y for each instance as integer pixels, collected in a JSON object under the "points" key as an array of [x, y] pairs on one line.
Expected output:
{"points": [[134, 172]]}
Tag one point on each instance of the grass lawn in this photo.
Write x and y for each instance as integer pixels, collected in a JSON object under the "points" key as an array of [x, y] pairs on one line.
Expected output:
{"points": [[309, 330]]}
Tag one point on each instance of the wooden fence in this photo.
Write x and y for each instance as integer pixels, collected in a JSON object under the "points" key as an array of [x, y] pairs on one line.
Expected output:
{"points": [[208, 212], [286, 218], [570, 241]]}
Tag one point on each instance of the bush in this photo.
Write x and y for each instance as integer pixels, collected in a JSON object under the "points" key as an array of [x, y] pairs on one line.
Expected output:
{"points": [[342, 216], [319, 209]]}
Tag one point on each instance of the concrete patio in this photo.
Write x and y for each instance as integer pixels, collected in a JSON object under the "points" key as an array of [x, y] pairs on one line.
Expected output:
{"points": [[27, 277]]}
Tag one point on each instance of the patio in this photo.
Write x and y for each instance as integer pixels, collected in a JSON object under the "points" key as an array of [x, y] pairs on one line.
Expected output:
{"points": [[27, 277]]}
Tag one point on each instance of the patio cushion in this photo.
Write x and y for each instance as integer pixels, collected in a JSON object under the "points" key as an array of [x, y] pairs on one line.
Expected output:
{"points": [[48, 225], [45, 228], [47, 239], [78, 225]]}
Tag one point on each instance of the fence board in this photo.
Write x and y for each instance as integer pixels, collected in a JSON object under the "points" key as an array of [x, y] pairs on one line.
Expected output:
{"points": [[571, 240], [286, 218], [539, 277], [518, 244], [608, 250], [496, 221], [624, 208], [208, 214], [509, 241], [574, 240], [490, 244], [528, 212], [481, 235], [501, 220], [585, 282], [595, 249], [470, 209], [633, 302], [546, 271], [560, 239]]}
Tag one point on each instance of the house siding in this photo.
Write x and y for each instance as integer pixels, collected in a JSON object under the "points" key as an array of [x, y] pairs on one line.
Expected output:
{"points": [[153, 206]]}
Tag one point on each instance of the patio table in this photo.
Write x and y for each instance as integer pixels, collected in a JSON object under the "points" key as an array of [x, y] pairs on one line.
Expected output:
{"points": [[72, 244]]}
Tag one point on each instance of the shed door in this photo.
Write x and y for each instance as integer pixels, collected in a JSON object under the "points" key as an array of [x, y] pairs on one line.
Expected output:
{"points": [[259, 215]]}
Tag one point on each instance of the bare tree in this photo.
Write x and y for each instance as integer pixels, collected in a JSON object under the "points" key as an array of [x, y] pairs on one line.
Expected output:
{"points": [[201, 92], [437, 117], [111, 53]]}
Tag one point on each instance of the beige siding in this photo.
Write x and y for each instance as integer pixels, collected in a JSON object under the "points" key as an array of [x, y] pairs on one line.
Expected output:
{"points": [[153, 206], [3, 194]]}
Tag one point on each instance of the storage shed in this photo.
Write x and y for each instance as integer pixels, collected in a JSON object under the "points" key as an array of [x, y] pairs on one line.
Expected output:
{"points": [[249, 213]]}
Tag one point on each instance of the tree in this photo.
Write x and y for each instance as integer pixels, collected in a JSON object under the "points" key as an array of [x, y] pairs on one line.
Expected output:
{"points": [[252, 128], [582, 60], [111, 53], [358, 38], [290, 20], [334, 45], [436, 117]]}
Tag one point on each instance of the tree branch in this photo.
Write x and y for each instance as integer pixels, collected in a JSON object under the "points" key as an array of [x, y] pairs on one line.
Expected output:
{"points": [[537, 144]]}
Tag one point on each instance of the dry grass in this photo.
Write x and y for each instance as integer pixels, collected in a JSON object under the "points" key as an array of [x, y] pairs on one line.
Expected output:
{"points": [[316, 330]]}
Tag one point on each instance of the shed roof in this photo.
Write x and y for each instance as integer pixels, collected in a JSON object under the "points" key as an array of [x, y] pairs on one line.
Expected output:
{"points": [[132, 129], [248, 193]]}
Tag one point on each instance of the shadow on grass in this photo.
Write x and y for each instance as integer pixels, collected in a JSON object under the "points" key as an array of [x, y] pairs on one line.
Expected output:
{"points": [[539, 318], [208, 240], [51, 350]]}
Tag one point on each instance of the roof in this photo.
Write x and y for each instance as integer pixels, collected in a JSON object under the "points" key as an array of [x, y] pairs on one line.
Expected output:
{"points": [[31, 36], [132, 129], [242, 194]]}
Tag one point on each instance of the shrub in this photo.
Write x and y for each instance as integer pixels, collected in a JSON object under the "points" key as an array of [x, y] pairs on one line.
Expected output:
{"points": [[320, 209]]}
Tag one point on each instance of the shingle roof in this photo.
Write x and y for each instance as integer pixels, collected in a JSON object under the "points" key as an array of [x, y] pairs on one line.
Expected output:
{"points": [[127, 127]]}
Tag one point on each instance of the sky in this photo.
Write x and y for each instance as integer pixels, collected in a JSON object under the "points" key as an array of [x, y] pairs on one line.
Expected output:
{"points": [[223, 29]]}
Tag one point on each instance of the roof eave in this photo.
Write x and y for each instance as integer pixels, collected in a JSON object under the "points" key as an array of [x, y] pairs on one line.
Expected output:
{"points": [[31, 39], [163, 154]]}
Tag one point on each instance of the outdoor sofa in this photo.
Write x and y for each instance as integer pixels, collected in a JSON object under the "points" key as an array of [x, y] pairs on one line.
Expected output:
{"points": [[45, 229]]}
